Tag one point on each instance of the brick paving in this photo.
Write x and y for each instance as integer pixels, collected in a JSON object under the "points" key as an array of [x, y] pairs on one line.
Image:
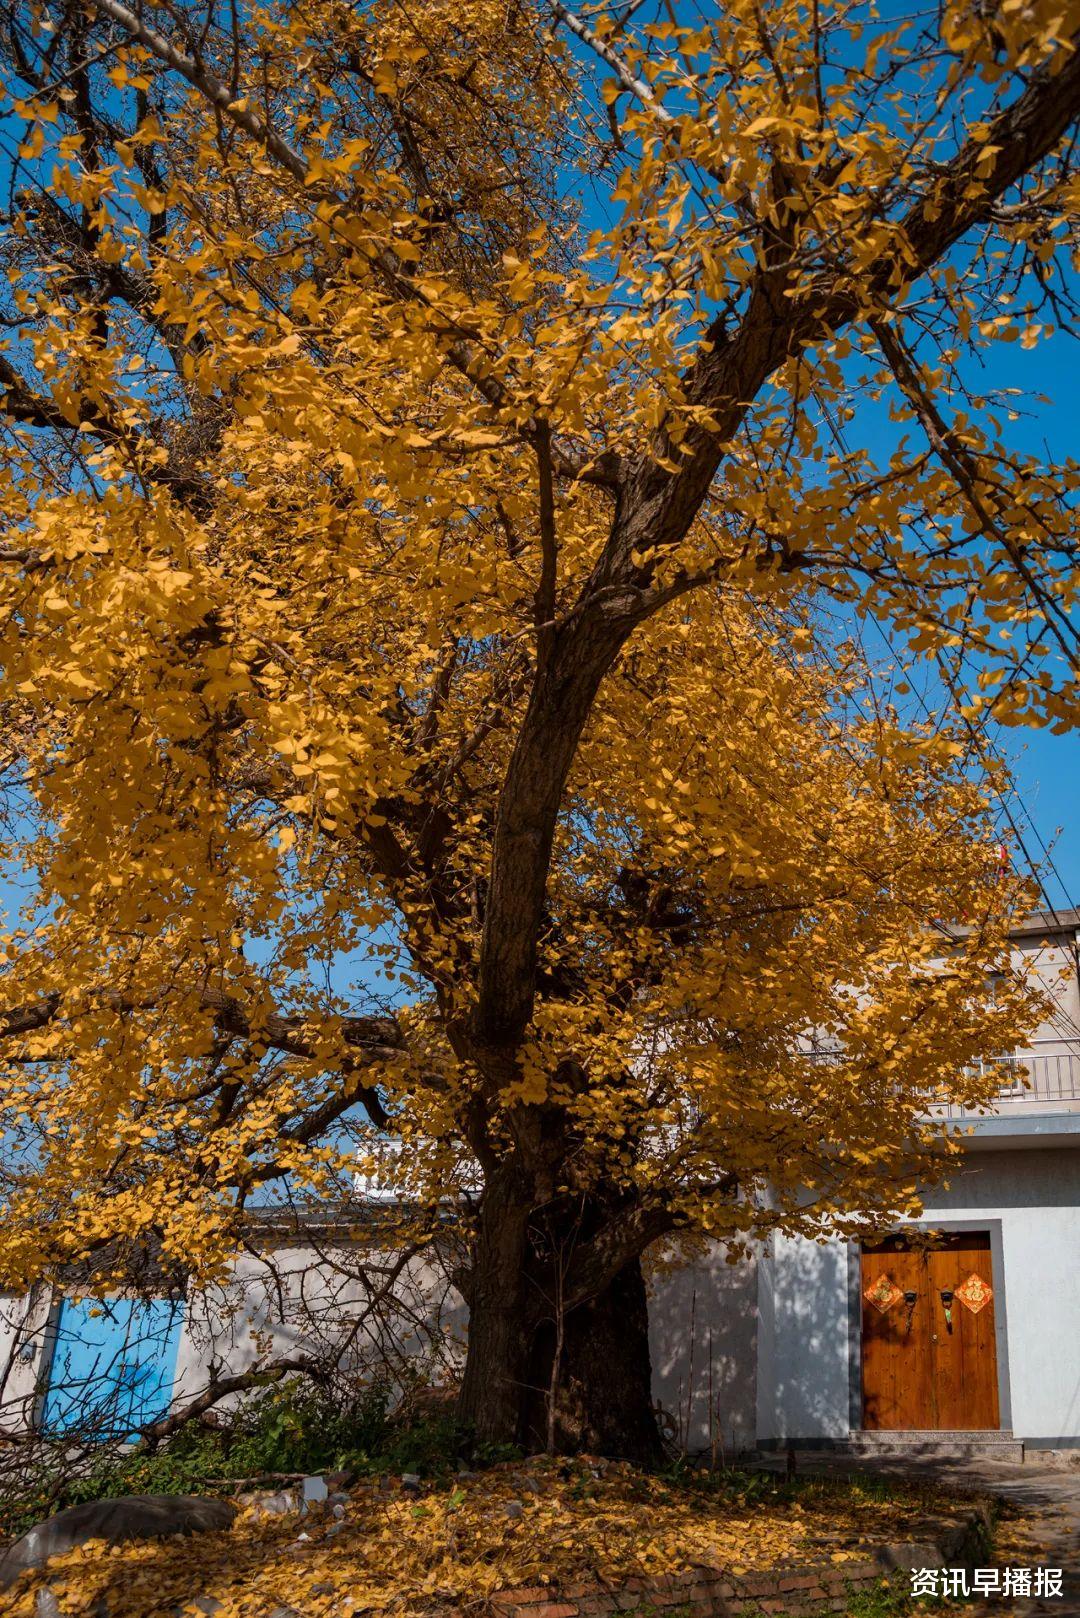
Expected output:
{"points": [[1049, 1500]]}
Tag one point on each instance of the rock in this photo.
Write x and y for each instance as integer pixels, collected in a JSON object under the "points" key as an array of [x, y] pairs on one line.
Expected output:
{"points": [[339, 1510], [275, 1505], [514, 1508], [47, 1606], [136, 1516], [410, 1480], [314, 1491]]}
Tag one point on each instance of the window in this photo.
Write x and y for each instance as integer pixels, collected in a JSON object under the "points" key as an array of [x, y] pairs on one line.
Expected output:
{"points": [[112, 1367]]}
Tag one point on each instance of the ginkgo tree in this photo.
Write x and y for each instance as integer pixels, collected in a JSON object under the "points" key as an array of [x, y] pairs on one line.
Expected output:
{"points": [[432, 435]]}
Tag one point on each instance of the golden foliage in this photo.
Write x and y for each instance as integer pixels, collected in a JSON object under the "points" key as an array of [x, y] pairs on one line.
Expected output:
{"points": [[398, 1552], [424, 572]]}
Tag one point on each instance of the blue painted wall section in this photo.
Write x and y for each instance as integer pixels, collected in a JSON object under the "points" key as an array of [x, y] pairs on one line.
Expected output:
{"points": [[112, 1366]]}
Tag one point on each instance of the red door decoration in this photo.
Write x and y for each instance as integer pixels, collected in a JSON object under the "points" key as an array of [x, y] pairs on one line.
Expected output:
{"points": [[883, 1293], [974, 1293]]}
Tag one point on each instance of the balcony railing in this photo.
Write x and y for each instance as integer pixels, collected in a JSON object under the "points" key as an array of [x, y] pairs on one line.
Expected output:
{"points": [[1044, 1082], [1050, 1082]]}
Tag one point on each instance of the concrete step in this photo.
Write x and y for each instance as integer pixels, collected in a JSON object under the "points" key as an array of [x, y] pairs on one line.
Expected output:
{"points": [[929, 1446]]}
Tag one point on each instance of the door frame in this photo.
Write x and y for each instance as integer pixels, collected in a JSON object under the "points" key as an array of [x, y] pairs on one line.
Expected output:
{"points": [[990, 1227]]}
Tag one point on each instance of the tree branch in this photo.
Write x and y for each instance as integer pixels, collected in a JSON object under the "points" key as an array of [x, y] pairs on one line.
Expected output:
{"points": [[219, 1388], [657, 507], [596, 1263], [631, 83], [954, 454], [544, 605], [375, 1038], [21, 404], [25, 1019], [464, 351]]}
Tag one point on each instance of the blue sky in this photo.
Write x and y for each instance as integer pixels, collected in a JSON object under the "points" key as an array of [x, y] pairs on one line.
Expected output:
{"points": [[1048, 772], [1047, 767]]}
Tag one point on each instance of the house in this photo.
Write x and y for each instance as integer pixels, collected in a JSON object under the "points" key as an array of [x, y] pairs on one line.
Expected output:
{"points": [[310, 1283], [978, 1337], [975, 1337]]}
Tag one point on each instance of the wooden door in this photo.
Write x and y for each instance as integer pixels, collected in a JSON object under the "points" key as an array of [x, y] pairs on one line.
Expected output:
{"points": [[929, 1359]]}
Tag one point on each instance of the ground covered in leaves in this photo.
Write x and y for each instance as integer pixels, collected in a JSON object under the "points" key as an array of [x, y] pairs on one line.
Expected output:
{"points": [[404, 1550]]}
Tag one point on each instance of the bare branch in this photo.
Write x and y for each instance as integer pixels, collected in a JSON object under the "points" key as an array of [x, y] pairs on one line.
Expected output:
{"points": [[630, 82], [221, 1387]]}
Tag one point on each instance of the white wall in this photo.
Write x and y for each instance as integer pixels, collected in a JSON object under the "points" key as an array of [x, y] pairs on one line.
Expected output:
{"points": [[1036, 1196], [297, 1299], [803, 1330], [805, 1306], [1051, 964], [702, 1330], [761, 1348], [703, 1341], [24, 1354]]}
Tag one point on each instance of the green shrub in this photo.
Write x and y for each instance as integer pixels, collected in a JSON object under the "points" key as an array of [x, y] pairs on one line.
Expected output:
{"points": [[296, 1426], [290, 1427]]}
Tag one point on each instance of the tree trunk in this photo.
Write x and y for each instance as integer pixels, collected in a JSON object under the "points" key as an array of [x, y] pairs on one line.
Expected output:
{"points": [[602, 1386], [495, 1362], [579, 1381]]}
